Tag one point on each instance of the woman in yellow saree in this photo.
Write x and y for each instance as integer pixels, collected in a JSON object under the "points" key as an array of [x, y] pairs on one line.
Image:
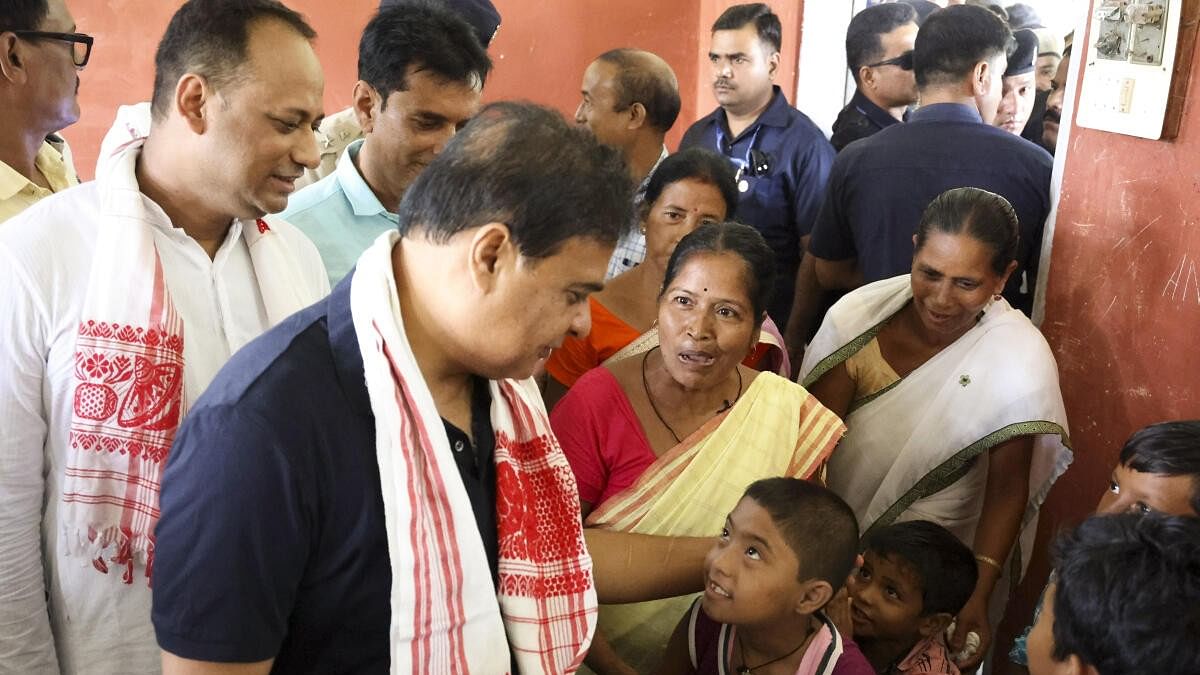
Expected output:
{"points": [[665, 441]]}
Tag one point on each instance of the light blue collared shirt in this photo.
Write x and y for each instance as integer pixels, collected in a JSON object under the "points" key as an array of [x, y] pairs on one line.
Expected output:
{"points": [[341, 215]]}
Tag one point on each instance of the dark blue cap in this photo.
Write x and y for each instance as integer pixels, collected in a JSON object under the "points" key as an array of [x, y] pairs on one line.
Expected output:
{"points": [[1022, 60], [1021, 15], [481, 14]]}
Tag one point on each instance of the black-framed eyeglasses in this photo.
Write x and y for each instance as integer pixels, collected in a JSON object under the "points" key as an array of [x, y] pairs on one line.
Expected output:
{"points": [[81, 44], [903, 62]]}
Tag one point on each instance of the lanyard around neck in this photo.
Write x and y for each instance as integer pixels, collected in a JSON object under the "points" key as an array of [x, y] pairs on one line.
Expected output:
{"points": [[742, 162]]}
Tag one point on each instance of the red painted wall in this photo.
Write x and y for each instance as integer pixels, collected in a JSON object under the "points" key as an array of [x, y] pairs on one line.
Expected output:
{"points": [[540, 52], [127, 32], [1122, 305]]}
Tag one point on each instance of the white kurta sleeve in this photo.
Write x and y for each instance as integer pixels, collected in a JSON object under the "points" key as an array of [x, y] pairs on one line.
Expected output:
{"points": [[26, 641]]}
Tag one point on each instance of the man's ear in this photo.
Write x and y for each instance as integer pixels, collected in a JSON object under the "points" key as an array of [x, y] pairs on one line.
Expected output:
{"points": [[814, 594], [12, 59], [773, 65], [367, 103], [192, 94], [492, 254], [981, 78], [637, 116], [866, 77], [934, 624]]}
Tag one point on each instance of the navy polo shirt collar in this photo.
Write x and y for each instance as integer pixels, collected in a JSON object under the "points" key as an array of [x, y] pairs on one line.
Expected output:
{"points": [[878, 116], [776, 114], [343, 342], [946, 112]]}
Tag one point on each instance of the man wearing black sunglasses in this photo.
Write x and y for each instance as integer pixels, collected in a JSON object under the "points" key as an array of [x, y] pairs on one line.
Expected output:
{"points": [[879, 186], [40, 56], [879, 46]]}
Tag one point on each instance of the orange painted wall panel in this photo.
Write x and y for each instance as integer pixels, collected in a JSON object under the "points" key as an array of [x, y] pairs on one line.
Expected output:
{"points": [[544, 47], [540, 53]]}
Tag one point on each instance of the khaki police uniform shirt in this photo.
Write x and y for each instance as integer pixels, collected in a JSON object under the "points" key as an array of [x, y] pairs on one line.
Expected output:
{"points": [[335, 134]]}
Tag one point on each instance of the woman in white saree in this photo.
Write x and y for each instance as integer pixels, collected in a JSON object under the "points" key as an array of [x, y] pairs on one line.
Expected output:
{"points": [[950, 396]]}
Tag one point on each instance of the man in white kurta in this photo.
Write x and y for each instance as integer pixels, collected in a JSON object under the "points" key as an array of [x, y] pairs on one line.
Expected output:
{"points": [[217, 159]]}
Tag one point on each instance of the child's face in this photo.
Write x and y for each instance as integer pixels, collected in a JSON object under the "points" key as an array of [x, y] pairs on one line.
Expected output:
{"points": [[1040, 645], [751, 574], [1130, 490], [886, 600]]}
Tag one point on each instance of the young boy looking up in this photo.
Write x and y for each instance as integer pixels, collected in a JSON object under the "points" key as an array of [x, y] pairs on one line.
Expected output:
{"points": [[785, 550], [1125, 599], [915, 577]]}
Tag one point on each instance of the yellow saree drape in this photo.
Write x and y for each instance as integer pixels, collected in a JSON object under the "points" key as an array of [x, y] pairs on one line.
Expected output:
{"points": [[776, 429]]}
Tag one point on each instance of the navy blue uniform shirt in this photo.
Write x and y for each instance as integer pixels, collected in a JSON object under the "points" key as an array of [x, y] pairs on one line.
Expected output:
{"points": [[859, 119], [782, 200], [272, 542], [880, 186]]}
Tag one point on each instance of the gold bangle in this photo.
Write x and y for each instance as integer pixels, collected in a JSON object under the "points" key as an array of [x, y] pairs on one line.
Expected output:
{"points": [[990, 561]]}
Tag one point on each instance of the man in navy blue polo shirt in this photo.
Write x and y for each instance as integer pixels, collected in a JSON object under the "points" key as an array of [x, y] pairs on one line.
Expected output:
{"points": [[289, 540], [879, 45], [880, 186], [782, 158]]}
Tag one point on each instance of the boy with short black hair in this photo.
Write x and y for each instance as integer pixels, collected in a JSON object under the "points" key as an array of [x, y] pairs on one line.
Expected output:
{"points": [[1157, 472], [915, 577], [1125, 599], [786, 549]]}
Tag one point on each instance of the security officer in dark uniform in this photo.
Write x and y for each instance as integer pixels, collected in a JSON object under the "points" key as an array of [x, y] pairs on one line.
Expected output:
{"points": [[782, 158], [880, 186], [879, 45]]}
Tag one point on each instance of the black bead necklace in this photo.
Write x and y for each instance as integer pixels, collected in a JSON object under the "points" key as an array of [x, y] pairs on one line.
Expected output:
{"points": [[747, 670], [646, 385]]}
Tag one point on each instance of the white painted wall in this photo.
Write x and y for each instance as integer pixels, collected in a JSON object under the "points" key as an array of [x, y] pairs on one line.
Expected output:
{"points": [[822, 86]]}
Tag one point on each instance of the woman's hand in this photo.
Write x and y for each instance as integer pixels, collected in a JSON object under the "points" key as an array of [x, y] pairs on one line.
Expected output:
{"points": [[1004, 500], [972, 619], [838, 611], [603, 660]]}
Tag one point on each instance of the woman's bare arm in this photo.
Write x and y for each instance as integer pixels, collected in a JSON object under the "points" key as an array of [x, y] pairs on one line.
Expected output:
{"points": [[639, 567], [835, 390], [1004, 500]]}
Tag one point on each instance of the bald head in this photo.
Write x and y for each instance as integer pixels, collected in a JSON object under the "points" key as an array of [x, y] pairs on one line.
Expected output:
{"points": [[644, 78]]}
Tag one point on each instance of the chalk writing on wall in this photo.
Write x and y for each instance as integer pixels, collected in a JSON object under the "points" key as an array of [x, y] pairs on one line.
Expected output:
{"points": [[1184, 284]]}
